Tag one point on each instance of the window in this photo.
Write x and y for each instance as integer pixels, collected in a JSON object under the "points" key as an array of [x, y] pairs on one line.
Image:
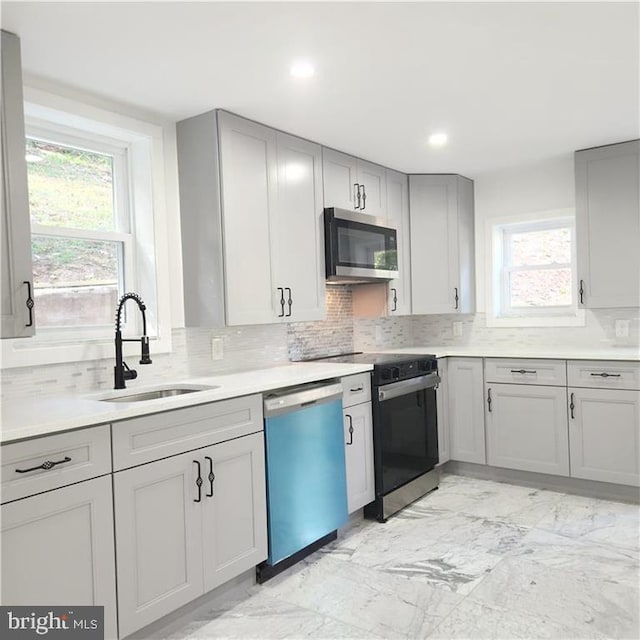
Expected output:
{"points": [[82, 243], [533, 271], [99, 228]]}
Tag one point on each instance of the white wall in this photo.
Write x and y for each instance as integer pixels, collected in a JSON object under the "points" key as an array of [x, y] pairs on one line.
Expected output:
{"points": [[544, 186]]}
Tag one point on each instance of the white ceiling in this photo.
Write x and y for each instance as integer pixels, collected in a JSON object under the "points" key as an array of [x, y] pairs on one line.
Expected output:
{"points": [[511, 83]]}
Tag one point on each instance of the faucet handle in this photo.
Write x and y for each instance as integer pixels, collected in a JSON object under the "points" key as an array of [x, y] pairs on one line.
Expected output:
{"points": [[145, 358]]}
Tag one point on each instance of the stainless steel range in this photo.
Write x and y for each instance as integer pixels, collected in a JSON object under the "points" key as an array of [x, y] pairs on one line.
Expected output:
{"points": [[405, 428]]}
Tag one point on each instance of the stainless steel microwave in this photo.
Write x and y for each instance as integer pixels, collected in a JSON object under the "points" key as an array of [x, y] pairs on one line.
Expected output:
{"points": [[359, 247]]}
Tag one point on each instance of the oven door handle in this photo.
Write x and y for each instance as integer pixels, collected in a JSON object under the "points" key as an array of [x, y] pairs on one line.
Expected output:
{"points": [[396, 389]]}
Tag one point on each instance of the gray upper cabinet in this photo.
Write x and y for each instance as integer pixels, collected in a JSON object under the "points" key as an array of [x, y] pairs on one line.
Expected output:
{"points": [[398, 215], [352, 183], [608, 225], [17, 281], [441, 213], [251, 216]]}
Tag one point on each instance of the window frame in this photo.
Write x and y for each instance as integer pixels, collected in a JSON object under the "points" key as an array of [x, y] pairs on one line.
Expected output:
{"points": [[145, 141], [499, 268], [119, 151]]}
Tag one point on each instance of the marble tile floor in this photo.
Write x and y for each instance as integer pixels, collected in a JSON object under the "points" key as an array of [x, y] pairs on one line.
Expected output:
{"points": [[475, 559]]}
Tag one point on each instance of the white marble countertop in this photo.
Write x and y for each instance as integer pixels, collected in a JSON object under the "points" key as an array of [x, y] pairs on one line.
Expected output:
{"points": [[47, 416], [550, 352]]}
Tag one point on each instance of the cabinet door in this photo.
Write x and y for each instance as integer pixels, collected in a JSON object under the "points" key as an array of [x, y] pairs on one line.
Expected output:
{"points": [[398, 216], [158, 539], [340, 178], [358, 432], [57, 549], [434, 241], [604, 435], [248, 170], [442, 404], [466, 410], [373, 188], [235, 508], [296, 231], [15, 230], [527, 428], [608, 225]]}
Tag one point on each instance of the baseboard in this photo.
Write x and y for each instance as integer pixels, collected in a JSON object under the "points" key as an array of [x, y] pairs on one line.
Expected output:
{"points": [[587, 488]]}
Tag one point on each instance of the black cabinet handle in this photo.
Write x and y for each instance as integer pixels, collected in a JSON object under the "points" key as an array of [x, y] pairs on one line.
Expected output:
{"points": [[572, 406], [198, 483], [489, 399], [395, 299], [29, 302], [289, 301], [604, 374], [211, 477], [364, 198], [356, 195], [48, 464], [456, 298], [581, 291], [281, 314], [523, 371], [356, 389], [350, 428]]}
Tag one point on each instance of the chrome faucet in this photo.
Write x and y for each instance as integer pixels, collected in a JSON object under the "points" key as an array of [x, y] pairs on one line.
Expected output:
{"points": [[121, 371]]}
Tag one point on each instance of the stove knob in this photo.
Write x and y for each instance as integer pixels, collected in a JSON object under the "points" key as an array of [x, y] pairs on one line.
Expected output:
{"points": [[395, 373]]}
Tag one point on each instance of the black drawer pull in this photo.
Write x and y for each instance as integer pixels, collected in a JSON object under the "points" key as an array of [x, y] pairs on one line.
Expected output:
{"points": [[198, 483], [350, 428], [211, 476], [523, 371], [356, 389], [48, 464], [572, 406], [604, 374], [29, 304]]}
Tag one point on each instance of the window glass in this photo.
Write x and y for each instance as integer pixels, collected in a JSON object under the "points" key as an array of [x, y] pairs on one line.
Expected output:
{"points": [[540, 288], [70, 187], [541, 247]]}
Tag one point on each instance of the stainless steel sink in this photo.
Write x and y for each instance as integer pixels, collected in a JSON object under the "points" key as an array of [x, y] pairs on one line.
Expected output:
{"points": [[157, 394]]}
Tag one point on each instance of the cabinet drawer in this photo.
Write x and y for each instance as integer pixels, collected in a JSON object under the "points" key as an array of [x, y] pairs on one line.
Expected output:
{"points": [[88, 452], [525, 371], [602, 374], [170, 433], [356, 389]]}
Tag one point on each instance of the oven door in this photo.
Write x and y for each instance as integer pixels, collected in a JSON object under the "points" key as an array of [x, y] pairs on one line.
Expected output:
{"points": [[359, 247], [405, 431]]}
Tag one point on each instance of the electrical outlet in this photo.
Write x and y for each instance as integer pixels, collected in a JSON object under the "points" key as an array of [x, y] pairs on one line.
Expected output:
{"points": [[217, 348], [622, 328], [457, 329]]}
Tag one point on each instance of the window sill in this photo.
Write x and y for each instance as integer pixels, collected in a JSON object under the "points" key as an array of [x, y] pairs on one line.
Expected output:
{"points": [[29, 352], [577, 320]]}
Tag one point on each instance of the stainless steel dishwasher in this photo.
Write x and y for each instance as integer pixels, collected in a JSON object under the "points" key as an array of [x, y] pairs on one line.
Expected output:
{"points": [[306, 476]]}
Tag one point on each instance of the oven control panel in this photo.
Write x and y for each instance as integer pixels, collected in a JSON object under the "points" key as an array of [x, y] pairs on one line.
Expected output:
{"points": [[404, 370]]}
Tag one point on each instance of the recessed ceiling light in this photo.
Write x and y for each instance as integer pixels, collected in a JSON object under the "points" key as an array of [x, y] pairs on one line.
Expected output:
{"points": [[302, 69], [438, 139]]}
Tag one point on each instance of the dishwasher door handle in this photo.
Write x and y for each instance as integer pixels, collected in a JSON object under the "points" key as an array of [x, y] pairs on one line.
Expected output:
{"points": [[301, 397]]}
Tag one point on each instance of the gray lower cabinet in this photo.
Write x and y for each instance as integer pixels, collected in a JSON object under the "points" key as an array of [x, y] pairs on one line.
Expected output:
{"points": [[442, 404], [57, 549], [604, 432], [466, 409], [176, 540], [526, 427]]}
